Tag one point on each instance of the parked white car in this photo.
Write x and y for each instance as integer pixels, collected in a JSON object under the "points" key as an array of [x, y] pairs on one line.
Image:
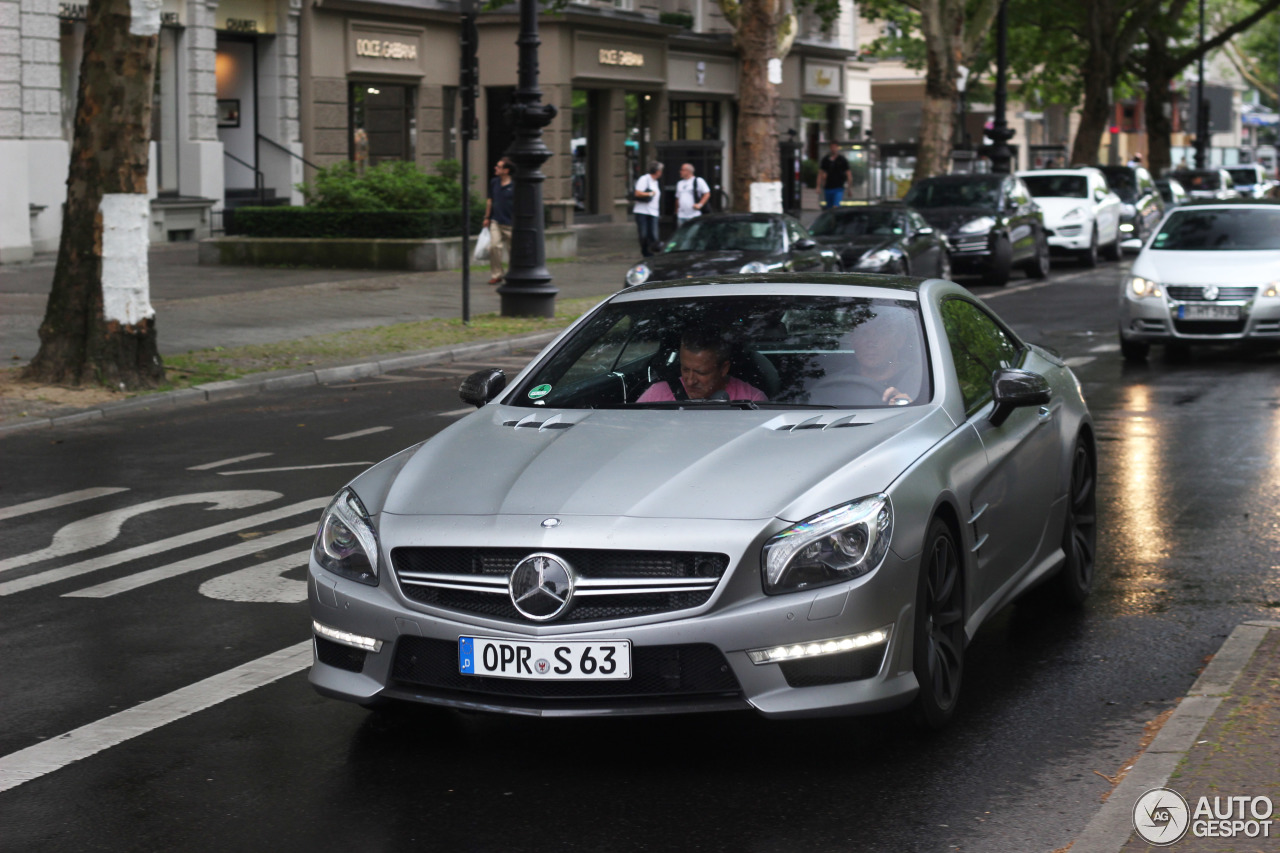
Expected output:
{"points": [[1080, 212]]}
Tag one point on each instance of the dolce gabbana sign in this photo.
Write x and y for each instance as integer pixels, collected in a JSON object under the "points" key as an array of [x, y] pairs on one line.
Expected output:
{"points": [[628, 58], [384, 49]]}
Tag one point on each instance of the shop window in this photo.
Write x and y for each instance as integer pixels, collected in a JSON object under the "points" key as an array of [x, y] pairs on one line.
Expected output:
{"points": [[449, 122], [383, 123], [638, 151], [695, 120]]}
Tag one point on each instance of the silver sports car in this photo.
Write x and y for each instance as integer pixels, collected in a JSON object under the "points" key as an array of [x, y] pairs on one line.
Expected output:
{"points": [[801, 494]]}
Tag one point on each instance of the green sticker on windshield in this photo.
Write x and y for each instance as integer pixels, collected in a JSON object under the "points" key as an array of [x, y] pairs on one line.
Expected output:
{"points": [[539, 391]]}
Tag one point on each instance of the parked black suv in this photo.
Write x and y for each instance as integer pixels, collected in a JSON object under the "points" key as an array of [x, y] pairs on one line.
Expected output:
{"points": [[991, 223], [1143, 206]]}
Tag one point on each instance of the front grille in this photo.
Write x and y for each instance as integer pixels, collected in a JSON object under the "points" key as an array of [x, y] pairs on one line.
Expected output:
{"points": [[833, 669], [340, 656], [969, 244], [1209, 327], [610, 584], [1067, 230], [1195, 293], [656, 671]]}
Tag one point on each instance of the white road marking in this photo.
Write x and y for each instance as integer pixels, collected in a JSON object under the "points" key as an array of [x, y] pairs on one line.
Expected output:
{"points": [[292, 468], [1080, 360], [193, 564], [1019, 289], [221, 463], [100, 529], [456, 412], [57, 501], [157, 547], [1105, 348], [43, 758], [358, 434], [261, 583]]}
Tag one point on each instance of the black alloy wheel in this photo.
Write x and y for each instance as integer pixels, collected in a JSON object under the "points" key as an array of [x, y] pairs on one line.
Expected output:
{"points": [[1000, 265], [1114, 252], [938, 655], [1089, 256], [1134, 351], [1080, 530]]}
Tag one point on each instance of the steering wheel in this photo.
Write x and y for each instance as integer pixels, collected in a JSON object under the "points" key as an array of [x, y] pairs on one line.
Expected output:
{"points": [[849, 390]]}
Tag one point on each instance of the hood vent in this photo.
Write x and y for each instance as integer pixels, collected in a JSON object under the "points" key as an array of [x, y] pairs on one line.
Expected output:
{"points": [[531, 422], [820, 422]]}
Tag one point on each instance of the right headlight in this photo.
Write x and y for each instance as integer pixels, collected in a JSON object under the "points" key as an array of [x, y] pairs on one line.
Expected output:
{"points": [[638, 274], [1144, 288], [838, 544], [977, 226], [346, 543]]}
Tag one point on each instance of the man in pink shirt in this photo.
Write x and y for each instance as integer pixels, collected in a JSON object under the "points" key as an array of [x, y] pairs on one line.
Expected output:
{"points": [[704, 374]]}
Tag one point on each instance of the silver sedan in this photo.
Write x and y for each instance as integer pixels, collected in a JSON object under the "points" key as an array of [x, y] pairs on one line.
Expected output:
{"points": [[797, 494]]}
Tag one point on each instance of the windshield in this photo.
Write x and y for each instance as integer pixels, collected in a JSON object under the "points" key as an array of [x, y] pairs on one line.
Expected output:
{"points": [[1123, 183], [946, 193], [854, 223], [1206, 180], [1247, 177], [1057, 186], [1239, 230], [738, 352], [748, 235]]}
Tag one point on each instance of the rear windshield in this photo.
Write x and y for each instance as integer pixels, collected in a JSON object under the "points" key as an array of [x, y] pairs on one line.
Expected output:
{"points": [[1123, 183], [1244, 176], [1206, 180], [1057, 186], [755, 351], [1239, 230], [854, 223]]}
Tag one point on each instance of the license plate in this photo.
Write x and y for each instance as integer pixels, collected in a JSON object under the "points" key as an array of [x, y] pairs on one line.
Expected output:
{"points": [[551, 660], [1208, 312]]}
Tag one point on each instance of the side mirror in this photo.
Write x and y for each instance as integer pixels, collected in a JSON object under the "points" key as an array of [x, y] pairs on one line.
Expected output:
{"points": [[804, 244], [482, 386], [1016, 389]]}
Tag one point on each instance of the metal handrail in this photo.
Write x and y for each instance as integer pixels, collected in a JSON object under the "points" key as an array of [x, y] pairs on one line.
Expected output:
{"points": [[259, 182], [304, 160]]}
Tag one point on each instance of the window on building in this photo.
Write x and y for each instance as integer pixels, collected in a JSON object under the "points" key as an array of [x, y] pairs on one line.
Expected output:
{"points": [[383, 122], [695, 119], [449, 122]]}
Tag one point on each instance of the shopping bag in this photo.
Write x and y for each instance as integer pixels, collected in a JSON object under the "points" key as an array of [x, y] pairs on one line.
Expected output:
{"points": [[482, 246]]}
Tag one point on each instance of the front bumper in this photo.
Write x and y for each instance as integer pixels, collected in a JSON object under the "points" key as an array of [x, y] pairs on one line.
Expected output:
{"points": [[969, 252], [1162, 320], [1072, 236], [691, 660]]}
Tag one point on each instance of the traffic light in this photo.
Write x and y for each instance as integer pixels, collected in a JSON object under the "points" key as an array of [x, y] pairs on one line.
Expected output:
{"points": [[469, 74]]}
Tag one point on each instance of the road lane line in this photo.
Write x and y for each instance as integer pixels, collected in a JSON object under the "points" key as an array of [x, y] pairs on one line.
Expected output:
{"points": [[193, 564], [57, 501], [150, 548], [98, 530], [1023, 288], [1105, 348], [209, 466], [55, 753], [456, 412], [292, 468], [1080, 360], [358, 433]]}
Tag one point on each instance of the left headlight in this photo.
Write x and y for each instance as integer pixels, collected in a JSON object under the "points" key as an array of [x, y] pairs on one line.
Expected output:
{"points": [[838, 544], [1144, 288], [346, 543], [875, 260], [638, 274], [977, 226]]}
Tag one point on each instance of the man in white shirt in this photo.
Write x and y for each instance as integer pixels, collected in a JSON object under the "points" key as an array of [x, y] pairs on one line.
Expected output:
{"points": [[692, 195], [648, 206]]}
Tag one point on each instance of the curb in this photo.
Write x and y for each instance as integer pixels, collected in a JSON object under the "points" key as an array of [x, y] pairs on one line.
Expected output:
{"points": [[1111, 828], [283, 379]]}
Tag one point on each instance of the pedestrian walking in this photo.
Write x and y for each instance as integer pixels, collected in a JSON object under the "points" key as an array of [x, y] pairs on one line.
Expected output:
{"points": [[499, 215], [648, 195], [833, 175], [692, 194]]}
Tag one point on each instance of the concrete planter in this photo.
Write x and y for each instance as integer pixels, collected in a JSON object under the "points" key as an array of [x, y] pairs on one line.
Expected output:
{"points": [[417, 255]]}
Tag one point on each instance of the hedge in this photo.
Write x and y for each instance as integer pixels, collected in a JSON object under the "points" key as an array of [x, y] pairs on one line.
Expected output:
{"points": [[350, 224]]}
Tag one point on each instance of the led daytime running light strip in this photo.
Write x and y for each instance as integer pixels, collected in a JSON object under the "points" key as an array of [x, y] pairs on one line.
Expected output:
{"points": [[355, 641], [820, 647]]}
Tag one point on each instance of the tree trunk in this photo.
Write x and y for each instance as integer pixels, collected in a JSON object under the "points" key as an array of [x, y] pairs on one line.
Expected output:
{"points": [[1159, 124], [755, 153], [1095, 112], [99, 326]]}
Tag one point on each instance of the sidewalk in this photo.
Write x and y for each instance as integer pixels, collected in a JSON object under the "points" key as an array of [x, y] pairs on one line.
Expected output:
{"points": [[1221, 742], [203, 307]]}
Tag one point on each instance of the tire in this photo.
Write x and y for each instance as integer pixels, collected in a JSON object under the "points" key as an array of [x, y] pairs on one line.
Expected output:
{"points": [[1113, 251], [1089, 257], [1080, 529], [1000, 266], [1134, 351], [938, 647], [1038, 266]]}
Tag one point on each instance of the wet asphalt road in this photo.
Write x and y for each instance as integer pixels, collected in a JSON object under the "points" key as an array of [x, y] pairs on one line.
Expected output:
{"points": [[1188, 542]]}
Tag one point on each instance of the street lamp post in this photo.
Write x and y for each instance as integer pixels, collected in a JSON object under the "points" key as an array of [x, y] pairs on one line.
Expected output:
{"points": [[528, 291], [1000, 132]]}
